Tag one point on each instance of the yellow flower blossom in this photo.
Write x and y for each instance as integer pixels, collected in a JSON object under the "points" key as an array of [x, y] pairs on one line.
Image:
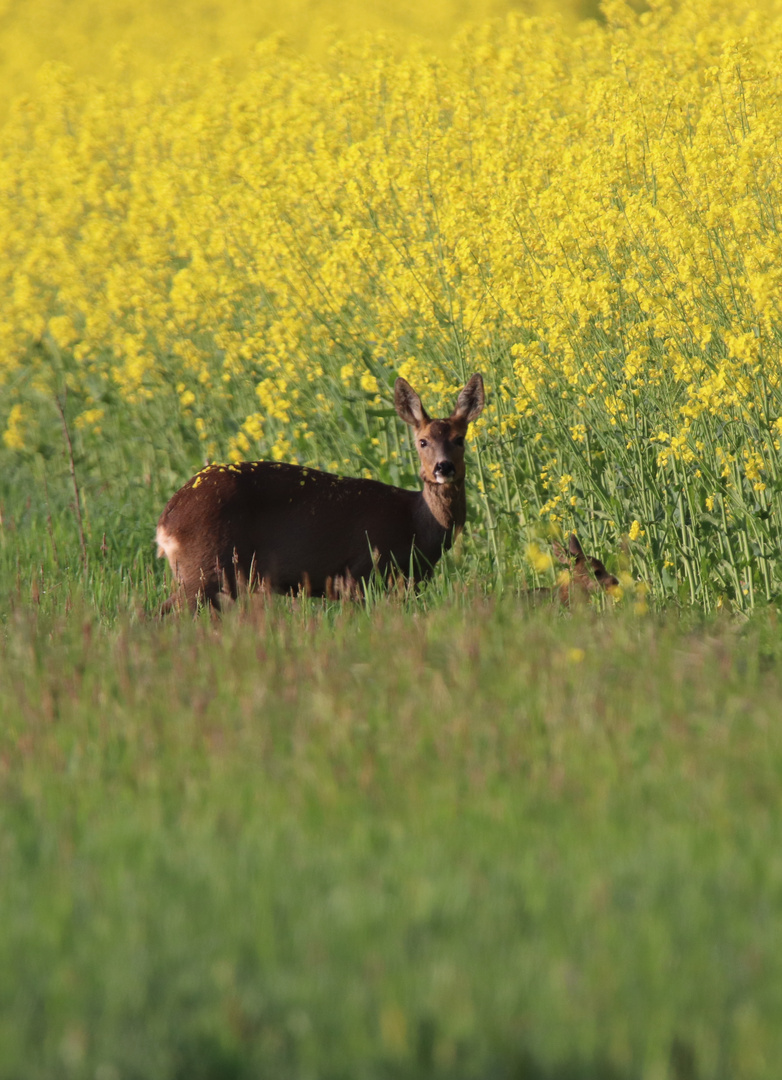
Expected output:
{"points": [[15, 434], [540, 560]]}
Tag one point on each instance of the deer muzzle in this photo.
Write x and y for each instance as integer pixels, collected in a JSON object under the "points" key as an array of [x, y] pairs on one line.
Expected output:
{"points": [[444, 471]]}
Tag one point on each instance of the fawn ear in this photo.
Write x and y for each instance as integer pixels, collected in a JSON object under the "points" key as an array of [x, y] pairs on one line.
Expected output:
{"points": [[575, 548], [559, 553], [470, 402], [408, 404]]}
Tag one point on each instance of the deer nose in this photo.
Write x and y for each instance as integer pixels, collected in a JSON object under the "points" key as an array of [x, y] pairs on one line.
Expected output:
{"points": [[444, 468]]}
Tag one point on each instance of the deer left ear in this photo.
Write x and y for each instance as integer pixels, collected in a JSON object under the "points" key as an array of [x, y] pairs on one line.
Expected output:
{"points": [[575, 548], [559, 553], [469, 404]]}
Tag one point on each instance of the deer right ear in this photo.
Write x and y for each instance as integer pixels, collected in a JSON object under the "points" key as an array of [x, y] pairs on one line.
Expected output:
{"points": [[408, 404]]}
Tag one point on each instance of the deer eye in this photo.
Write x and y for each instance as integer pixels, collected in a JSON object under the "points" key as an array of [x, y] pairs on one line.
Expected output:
{"points": [[459, 440], [423, 442]]}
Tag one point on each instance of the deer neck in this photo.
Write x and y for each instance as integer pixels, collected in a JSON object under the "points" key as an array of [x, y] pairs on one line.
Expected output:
{"points": [[447, 505]]}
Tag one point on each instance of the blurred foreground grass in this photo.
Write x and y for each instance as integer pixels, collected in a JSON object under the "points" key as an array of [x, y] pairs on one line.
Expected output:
{"points": [[471, 841]]}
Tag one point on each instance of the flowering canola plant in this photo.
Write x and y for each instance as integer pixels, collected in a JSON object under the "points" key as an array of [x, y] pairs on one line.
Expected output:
{"points": [[588, 216], [120, 39]]}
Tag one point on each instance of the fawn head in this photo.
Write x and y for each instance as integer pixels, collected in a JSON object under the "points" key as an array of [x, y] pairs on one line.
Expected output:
{"points": [[440, 443], [587, 574]]}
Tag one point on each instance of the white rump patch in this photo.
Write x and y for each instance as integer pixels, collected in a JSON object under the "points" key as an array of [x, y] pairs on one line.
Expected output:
{"points": [[167, 546]]}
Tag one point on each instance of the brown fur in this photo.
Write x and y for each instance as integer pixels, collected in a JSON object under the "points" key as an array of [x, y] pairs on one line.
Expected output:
{"points": [[288, 529]]}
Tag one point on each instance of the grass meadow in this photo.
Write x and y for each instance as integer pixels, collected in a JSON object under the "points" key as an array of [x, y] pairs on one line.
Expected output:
{"points": [[463, 842], [442, 834]]}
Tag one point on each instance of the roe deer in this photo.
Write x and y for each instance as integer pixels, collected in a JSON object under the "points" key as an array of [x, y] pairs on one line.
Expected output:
{"points": [[288, 528], [587, 575]]}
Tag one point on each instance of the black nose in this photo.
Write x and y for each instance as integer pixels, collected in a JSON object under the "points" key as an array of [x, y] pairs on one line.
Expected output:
{"points": [[445, 468]]}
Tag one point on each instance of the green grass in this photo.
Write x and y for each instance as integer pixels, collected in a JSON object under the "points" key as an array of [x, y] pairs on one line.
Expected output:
{"points": [[451, 839]]}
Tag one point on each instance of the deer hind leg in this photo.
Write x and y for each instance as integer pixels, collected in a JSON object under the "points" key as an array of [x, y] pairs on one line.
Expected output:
{"points": [[234, 579], [215, 588], [175, 603]]}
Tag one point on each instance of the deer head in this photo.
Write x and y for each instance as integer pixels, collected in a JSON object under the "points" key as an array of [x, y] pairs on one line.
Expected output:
{"points": [[440, 443]]}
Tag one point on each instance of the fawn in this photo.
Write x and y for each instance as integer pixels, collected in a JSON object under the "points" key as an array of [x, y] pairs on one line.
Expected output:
{"points": [[587, 576]]}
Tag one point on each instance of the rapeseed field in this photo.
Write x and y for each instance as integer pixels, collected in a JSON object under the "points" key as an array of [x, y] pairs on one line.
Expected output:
{"points": [[586, 213]]}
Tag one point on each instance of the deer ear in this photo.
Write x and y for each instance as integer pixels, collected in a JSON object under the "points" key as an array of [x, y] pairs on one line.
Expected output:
{"points": [[469, 404], [575, 548], [408, 404], [559, 553]]}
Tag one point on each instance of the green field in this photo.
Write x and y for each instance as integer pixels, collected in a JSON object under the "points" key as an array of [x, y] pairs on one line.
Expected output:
{"points": [[448, 838]]}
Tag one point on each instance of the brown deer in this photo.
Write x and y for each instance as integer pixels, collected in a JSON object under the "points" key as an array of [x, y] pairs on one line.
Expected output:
{"points": [[287, 528], [587, 575]]}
